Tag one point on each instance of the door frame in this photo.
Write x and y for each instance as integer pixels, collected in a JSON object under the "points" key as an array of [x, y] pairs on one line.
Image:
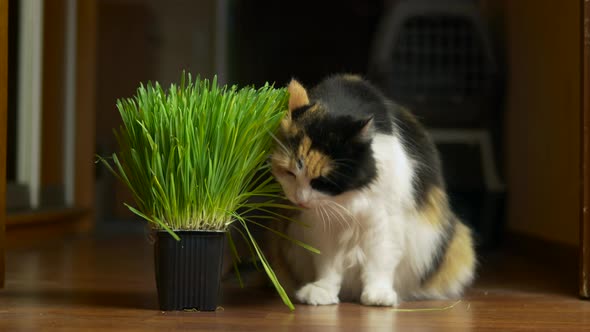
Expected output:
{"points": [[585, 158], [3, 112]]}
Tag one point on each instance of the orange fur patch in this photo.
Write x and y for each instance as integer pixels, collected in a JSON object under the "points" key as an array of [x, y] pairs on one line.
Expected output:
{"points": [[280, 159], [435, 210], [316, 163], [304, 147], [297, 95], [288, 127]]}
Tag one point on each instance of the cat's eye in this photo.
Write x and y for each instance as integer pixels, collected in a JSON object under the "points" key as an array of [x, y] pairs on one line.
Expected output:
{"points": [[288, 172], [299, 164]]}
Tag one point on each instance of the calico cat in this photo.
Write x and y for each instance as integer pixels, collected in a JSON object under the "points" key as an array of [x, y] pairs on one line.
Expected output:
{"points": [[368, 180]]}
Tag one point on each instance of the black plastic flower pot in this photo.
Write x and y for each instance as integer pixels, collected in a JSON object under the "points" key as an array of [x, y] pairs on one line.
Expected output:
{"points": [[188, 272]]}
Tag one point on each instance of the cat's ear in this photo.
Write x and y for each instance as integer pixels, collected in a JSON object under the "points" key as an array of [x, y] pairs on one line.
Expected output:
{"points": [[297, 95], [366, 129]]}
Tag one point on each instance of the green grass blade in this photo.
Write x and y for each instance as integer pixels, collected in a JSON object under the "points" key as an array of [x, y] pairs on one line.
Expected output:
{"points": [[134, 210], [284, 236], [271, 275]]}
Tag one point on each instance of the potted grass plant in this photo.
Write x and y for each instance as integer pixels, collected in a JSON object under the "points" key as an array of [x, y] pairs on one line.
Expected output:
{"points": [[193, 156]]}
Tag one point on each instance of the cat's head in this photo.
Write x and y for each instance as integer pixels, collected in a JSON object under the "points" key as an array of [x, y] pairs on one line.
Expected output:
{"points": [[321, 156]]}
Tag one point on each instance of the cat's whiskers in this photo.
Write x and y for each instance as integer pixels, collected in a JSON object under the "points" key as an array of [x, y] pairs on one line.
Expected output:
{"points": [[339, 211], [342, 221], [325, 213], [280, 144], [327, 219], [320, 213], [330, 214], [350, 214]]}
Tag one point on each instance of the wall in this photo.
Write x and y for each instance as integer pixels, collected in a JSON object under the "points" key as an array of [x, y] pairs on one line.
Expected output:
{"points": [[139, 41], [543, 118]]}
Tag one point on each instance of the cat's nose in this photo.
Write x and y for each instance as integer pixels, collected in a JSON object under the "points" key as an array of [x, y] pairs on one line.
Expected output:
{"points": [[300, 199], [301, 203]]}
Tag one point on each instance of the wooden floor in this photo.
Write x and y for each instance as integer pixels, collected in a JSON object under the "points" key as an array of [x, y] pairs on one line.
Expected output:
{"points": [[105, 283]]}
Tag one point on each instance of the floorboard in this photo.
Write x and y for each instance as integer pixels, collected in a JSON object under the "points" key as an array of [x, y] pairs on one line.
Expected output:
{"points": [[107, 283]]}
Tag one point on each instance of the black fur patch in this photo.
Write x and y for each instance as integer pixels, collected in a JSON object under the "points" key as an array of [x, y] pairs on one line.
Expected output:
{"points": [[354, 99], [419, 146], [353, 165], [298, 112]]}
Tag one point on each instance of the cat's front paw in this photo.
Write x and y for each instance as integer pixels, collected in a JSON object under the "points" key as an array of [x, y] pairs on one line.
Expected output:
{"points": [[316, 295], [379, 296]]}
